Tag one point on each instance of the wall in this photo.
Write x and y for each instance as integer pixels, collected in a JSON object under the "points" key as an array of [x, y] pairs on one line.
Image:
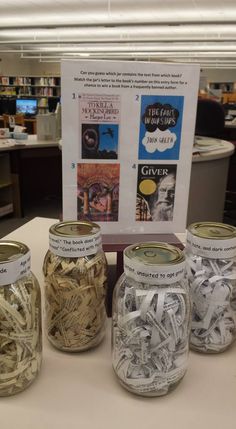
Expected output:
{"points": [[13, 65], [220, 75]]}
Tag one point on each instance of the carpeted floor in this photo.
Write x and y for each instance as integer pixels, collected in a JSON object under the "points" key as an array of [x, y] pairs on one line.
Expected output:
{"points": [[49, 207]]}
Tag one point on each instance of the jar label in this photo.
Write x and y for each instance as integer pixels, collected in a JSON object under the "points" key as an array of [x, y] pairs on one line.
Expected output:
{"points": [[211, 248], [12, 271], [75, 247], [153, 274]]}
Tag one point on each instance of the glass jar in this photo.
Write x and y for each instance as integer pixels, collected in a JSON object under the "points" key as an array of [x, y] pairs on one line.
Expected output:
{"points": [[211, 267], [75, 270], [150, 319], [20, 319]]}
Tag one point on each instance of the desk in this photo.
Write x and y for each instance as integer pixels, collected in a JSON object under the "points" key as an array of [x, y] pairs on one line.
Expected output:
{"points": [[80, 390], [35, 170], [230, 124], [208, 183], [30, 124], [230, 130]]}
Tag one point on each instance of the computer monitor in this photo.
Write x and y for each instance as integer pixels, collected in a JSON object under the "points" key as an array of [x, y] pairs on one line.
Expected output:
{"points": [[27, 106]]}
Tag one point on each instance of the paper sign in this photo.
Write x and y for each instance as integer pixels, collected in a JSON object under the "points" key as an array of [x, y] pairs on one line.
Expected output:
{"points": [[127, 137]]}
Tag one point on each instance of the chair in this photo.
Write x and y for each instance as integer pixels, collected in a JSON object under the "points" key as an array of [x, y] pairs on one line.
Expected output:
{"points": [[210, 120], [12, 120]]}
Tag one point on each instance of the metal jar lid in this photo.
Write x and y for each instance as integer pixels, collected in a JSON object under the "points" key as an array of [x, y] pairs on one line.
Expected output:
{"points": [[74, 239], [212, 230], [212, 240], [14, 261], [153, 253], [74, 228], [11, 250], [154, 263]]}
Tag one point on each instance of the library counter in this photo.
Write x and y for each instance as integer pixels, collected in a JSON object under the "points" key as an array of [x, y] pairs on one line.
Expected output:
{"points": [[81, 390], [30, 143]]}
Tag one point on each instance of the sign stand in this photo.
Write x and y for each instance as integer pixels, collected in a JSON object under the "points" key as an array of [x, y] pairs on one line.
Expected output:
{"points": [[127, 138]]}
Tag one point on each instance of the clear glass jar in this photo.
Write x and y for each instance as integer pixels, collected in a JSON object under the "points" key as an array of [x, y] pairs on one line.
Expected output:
{"points": [[151, 319], [211, 267], [20, 319], [75, 270]]}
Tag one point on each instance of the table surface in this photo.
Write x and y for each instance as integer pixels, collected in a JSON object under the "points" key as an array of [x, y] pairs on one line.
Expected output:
{"points": [[81, 391], [31, 142]]}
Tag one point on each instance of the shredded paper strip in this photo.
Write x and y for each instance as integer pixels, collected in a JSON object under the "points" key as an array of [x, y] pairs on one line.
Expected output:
{"points": [[213, 293], [75, 291], [20, 334], [150, 335]]}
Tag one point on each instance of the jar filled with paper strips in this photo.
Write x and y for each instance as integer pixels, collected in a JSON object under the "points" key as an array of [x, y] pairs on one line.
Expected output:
{"points": [[150, 319], [211, 267], [20, 319], [75, 270]]}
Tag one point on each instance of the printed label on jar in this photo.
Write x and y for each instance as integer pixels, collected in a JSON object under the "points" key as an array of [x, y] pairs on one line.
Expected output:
{"points": [[12, 271], [75, 247], [211, 248], [161, 274]]}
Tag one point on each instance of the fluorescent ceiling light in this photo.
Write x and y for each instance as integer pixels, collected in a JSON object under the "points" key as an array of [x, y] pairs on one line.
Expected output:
{"points": [[132, 48], [85, 12], [123, 33]]}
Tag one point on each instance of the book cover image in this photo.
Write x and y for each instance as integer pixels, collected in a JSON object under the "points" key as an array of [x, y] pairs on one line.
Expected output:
{"points": [[99, 141], [98, 192], [160, 127], [155, 192], [99, 119]]}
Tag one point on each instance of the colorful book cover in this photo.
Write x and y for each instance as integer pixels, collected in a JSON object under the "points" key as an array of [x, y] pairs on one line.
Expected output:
{"points": [[160, 127], [99, 119], [155, 192], [98, 192]]}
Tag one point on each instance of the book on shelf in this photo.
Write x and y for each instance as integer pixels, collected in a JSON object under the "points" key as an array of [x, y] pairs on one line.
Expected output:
{"points": [[5, 208], [4, 80]]}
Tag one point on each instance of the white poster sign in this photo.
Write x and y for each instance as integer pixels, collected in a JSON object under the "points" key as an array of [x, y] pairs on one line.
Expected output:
{"points": [[127, 137]]}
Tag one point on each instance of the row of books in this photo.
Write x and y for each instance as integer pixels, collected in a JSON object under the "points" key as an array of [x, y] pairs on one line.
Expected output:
{"points": [[34, 81]]}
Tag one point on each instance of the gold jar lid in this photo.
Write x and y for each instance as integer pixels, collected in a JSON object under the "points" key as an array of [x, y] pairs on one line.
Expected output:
{"points": [[154, 263], [14, 261], [74, 239], [11, 250], [153, 253], [74, 228], [212, 230]]}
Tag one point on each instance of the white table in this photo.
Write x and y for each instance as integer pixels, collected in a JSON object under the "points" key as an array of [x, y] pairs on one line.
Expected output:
{"points": [[80, 391]]}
